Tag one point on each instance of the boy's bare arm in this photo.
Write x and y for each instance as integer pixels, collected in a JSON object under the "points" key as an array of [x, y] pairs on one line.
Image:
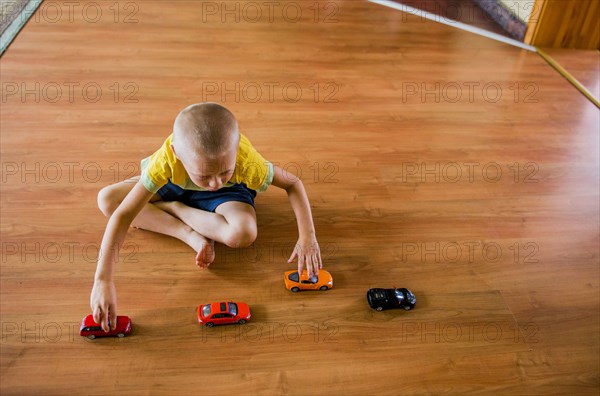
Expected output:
{"points": [[307, 249], [103, 299]]}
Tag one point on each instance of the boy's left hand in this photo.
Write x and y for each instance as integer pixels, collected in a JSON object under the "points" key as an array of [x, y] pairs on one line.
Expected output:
{"points": [[308, 253]]}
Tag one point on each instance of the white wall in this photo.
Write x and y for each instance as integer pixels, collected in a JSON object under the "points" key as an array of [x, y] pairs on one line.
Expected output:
{"points": [[522, 9]]}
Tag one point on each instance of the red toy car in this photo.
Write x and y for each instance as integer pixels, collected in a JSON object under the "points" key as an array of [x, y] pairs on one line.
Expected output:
{"points": [[91, 329], [219, 313]]}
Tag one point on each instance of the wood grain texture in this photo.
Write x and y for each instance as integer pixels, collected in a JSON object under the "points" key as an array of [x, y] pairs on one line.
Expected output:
{"points": [[565, 24], [584, 65], [459, 167]]}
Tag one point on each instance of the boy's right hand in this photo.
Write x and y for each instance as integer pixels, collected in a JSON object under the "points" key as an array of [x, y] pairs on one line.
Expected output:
{"points": [[103, 302]]}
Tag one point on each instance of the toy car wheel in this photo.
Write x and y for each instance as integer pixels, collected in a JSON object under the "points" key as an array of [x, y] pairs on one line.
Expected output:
{"points": [[242, 321], [120, 335], [295, 289], [407, 308], [379, 308], [91, 336], [210, 324], [324, 288]]}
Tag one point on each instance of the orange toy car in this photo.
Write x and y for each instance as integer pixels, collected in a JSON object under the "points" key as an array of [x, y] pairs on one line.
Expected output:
{"points": [[295, 283]]}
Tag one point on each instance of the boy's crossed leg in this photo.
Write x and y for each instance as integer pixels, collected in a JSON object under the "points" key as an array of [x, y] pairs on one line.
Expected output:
{"points": [[233, 223]]}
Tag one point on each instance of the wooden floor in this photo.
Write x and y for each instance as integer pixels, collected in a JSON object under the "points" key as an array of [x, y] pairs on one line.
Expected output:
{"points": [[584, 65], [480, 194]]}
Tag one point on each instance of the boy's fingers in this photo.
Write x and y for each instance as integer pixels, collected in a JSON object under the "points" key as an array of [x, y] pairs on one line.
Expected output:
{"points": [[308, 264], [97, 315], [292, 257], [316, 265], [113, 317], [300, 264], [104, 322]]}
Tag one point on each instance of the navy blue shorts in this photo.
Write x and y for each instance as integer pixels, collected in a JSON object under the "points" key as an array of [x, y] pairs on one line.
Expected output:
{"points": [[207, 200]]}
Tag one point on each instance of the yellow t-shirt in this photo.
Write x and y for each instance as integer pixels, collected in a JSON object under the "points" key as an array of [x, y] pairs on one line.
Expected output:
{"points": [[162, 166]]}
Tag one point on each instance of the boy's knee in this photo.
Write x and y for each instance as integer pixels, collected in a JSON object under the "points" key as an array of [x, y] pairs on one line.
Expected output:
{"points": [[108, 202], [241, 236]]}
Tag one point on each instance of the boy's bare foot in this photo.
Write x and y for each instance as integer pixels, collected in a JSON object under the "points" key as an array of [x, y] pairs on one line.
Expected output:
{"points": [[205, 248]]}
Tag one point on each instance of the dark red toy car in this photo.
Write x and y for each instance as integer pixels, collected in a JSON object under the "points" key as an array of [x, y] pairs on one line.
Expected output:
{"points": [[91, 329], [219, 313]]}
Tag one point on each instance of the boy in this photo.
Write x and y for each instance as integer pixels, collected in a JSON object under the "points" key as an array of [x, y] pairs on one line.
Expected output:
{"points": [[198, 187]]}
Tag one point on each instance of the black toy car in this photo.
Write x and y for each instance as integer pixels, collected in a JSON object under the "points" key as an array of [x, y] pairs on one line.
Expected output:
{"points": [[380, 299]]}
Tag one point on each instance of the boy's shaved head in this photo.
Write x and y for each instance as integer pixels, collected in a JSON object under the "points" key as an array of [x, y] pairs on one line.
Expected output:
{"points": [[205, 129]]}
